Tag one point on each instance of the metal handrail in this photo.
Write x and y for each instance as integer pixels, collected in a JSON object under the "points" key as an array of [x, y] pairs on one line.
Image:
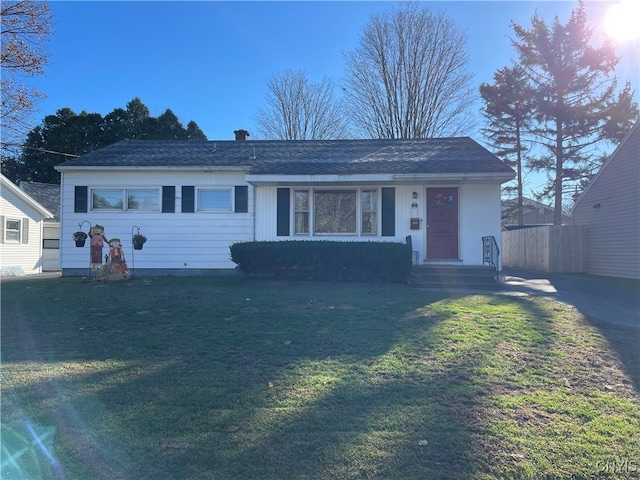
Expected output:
{"points": [[490, 251]]}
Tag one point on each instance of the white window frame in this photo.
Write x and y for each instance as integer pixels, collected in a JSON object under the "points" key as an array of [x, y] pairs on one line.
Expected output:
{"points": [[124, 199], [355, 231], [7, 230], [156, 207], [302, 211], [359, 212], [373, 211], [227, 190]]}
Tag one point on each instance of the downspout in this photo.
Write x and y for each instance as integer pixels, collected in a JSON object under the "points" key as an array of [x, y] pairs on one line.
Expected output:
{"points": [[253, 216], [61, 220]]}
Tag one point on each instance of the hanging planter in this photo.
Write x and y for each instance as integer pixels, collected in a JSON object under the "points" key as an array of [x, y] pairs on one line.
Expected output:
{"points": [[138, 241], [79, 237]]}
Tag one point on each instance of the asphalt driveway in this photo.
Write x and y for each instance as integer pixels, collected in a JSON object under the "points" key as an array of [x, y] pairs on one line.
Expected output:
{"points": [[602, 299]]}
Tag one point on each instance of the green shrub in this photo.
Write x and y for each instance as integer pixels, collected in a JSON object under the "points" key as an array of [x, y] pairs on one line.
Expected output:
{"points": [[325, 260]]}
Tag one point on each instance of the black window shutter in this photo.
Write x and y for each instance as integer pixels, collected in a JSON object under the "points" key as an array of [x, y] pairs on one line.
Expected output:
{"points": [[388, 211], [188, 199], [80, 199], [241, 199], [168, 199], [283, 209]]}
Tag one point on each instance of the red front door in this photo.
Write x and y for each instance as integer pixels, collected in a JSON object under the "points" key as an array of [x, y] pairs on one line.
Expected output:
{"points": [[442, 223]]}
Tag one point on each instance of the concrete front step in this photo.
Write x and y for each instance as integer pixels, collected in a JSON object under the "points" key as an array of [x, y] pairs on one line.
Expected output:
{"points": [[450, 276]]}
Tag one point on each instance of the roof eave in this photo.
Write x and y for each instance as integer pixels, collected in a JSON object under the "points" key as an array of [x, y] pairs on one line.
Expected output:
{"points": [[6, 183], [154, 168], [378, 179]]}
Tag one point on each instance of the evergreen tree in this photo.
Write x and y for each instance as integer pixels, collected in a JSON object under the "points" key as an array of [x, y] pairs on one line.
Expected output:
{"points": [[66, 135], [576, 106], [194, 132], [507, 108]]}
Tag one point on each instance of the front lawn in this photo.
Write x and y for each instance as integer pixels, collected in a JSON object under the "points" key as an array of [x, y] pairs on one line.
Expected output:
{"points": [[215, 378]]}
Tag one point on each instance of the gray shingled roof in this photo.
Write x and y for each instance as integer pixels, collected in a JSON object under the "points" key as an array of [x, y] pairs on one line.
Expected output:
{"points": [[459, 155], [46, 194]]}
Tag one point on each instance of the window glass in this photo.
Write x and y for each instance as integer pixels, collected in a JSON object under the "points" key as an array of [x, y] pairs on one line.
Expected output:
{"points": [[301, 202], [50, 243], [111, 199], [12, 230], [214, 200], [143, 199], [334, 211], [369, 212]]}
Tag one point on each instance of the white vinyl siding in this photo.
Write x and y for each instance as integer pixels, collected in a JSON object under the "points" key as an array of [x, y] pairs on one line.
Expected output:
{"points": [[479, 209], [178, 241], [21, 249], [201, 239]]}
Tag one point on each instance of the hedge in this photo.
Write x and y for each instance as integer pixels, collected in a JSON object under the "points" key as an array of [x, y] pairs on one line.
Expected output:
{"points": [[325, 260]]}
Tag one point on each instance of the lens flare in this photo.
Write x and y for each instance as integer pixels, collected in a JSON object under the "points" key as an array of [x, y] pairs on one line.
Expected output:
{"points": [[622, 21]]}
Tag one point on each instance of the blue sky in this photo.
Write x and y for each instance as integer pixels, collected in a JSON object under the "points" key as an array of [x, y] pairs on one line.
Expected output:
{"points": [[209, 61]]}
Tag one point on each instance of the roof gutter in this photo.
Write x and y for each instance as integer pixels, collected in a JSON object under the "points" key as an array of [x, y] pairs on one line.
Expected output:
{"points": [[497, 177], [157, 168], [381, 179]]}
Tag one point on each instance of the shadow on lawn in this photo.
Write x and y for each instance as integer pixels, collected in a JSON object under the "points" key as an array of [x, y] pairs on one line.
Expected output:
{"points": [[165, 408], [611, 305]]}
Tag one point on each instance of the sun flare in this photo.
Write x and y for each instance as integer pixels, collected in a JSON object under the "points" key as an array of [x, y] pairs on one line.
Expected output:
{"points": [[622, 21]]}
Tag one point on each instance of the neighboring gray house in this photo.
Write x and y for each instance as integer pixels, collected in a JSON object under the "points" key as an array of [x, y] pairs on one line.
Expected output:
{"points": [[47, 195], [194, 199], [610, 207], [534, 213]]}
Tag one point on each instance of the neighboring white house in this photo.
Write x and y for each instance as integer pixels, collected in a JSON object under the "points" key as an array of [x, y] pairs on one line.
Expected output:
{"points": [[193, 199], [21, 227], [610, 207]]}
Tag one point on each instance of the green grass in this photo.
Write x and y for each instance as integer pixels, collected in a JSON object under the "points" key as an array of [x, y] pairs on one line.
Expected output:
{"points": [[215, 378]]}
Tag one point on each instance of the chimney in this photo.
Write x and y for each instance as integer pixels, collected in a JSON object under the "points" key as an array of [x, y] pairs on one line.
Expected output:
{"points": [[241, 135]]}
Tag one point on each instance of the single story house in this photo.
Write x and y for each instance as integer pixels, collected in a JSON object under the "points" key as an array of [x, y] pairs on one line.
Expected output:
{"points": [[193, 199], [610, 208], [21, 229], [533, 213], [47, 195]]}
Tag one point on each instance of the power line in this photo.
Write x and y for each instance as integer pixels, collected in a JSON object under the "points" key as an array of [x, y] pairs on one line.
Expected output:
{"points": [[43, 150]]}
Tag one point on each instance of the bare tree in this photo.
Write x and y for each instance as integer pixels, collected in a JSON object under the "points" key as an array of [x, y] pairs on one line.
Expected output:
{"points": [[300, 110], [407, 77], [25, 28]]}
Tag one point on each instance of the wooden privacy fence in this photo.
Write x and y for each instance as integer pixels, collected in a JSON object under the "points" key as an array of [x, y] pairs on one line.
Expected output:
{"points": [[548, 248]]}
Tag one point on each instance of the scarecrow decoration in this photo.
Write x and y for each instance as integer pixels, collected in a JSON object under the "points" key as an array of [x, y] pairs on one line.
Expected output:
{"points": [[116, 267], [96, 233]]}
